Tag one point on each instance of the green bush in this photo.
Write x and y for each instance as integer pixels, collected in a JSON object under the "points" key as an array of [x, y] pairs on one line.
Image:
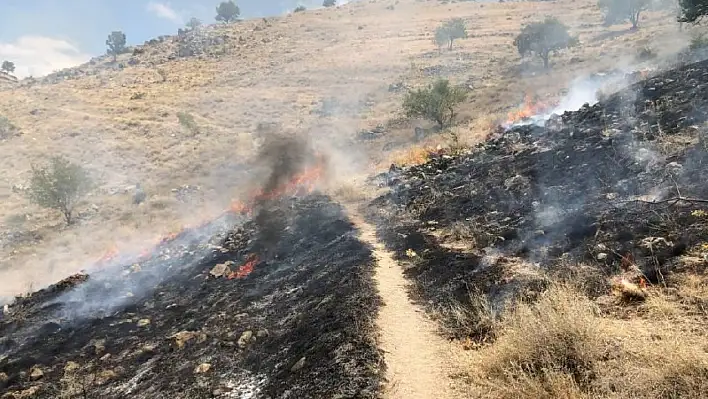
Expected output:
{"points": [[59, 185], [436, 103], [329, 3], [187, 121], [299, 9]]}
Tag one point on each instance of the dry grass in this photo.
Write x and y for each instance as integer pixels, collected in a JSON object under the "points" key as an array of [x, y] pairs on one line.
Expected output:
{"points": [[562, 346]]}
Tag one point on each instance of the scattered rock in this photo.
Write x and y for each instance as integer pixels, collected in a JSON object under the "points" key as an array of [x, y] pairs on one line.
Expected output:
{"points": [[181, 338], [36, 373], [221, 269], [202, 368], [298, 365], [246, 338], [143, 322], [105, 376], [70, 367]]}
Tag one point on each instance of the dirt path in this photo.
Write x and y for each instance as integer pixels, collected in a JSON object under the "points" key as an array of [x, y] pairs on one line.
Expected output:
{"points": [[418, 360]]}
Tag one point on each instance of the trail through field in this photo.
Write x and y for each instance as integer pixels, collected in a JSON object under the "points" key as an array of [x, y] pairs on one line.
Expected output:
{"points": [[419, 362]]}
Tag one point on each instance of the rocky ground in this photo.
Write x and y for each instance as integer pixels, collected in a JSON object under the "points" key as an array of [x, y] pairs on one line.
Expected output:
{"points": [[612, 192], [219, 311]]}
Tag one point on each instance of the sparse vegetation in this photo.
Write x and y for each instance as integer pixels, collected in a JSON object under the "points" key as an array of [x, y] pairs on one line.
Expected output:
{"points": [[299, 9], [698, 42], [186, 120], [450, 31], [436, 103], [227, 11], [59, 185], [116, 44], [561, 346], [6, 128], [8, 66], [329, 3], [692, 10], [542, 38], [619, 11], [194, 23]]}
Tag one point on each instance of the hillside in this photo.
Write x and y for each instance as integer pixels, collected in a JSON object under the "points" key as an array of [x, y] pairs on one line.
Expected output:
{"points": [[282, 70], [303, 238]]}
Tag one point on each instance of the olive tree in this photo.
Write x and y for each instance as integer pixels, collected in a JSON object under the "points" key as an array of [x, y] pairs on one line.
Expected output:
{"points": [[436, 103], [116, 43], [8, 66], [543, 37], [449, 31], [618, 11], [227, 11], [59, 185]]}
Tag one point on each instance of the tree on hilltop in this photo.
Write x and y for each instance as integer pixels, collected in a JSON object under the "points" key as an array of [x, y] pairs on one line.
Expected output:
{"points": [[436, 103], [543, 37], [618, 11], [8, 66], [194, 23], [116, 43], [449, 32], [692, 10], [329, 3], [227, 11]]}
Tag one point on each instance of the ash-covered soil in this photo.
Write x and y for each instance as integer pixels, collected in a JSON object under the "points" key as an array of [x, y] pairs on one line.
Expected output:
{"points": [[300, 325], [591, 195]]}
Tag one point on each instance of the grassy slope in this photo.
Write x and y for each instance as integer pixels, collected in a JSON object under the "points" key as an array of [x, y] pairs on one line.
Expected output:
{"points": [[272, 71]]}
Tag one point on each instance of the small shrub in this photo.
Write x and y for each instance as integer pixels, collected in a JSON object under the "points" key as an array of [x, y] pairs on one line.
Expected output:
{"points": [[299, 9], [187, 121], [698, 42], [227, 11], [436, 103], [329, 3], [7, 129], [542, 38], [60, 185], [645, 54]]}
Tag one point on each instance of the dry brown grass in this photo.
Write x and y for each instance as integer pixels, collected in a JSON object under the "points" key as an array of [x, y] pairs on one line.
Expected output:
{"points": [[562, 346]]}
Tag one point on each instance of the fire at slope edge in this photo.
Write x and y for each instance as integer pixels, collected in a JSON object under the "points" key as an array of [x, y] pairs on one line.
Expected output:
{"points": [[582, 91], [289, 167]]}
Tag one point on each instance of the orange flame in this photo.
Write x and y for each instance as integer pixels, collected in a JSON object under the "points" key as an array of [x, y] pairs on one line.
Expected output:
{"points": [[245, 269], [530, 108], [303, 182]]}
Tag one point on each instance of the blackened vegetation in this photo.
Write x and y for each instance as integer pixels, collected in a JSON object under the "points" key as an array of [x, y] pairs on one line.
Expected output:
{"points": [[546, 199], [299, 326]]}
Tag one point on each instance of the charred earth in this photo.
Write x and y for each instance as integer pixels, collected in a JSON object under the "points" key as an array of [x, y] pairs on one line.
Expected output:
{"points": [[209, 314], [612, 189]]}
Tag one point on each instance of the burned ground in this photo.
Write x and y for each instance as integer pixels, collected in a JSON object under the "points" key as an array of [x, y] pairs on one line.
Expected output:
{"points": [[612, 185], [300, 325]]}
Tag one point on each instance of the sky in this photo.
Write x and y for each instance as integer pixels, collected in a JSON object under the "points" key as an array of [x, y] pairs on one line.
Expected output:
{"points": [[41, 36]]}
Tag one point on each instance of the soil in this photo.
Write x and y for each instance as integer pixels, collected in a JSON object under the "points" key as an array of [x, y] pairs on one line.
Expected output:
{"points": [[300, 325], [609, 185], [417, 358]]}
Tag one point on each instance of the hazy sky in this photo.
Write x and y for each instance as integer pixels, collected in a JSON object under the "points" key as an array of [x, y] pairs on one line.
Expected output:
{"points": [[41, 36]]}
